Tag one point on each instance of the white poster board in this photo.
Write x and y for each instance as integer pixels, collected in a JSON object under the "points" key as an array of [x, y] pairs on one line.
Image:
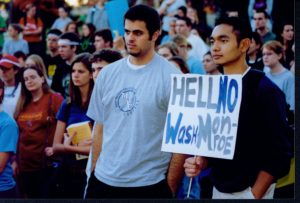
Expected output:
{"points": [[203, 115]]}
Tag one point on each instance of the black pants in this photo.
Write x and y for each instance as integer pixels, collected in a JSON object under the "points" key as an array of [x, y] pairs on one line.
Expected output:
{"points": [[8, 194], [33, 184], [99, 190]]}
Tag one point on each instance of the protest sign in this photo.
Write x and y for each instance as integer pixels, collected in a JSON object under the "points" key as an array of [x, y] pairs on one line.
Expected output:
{"points": [[203, 115], [116, 10]]}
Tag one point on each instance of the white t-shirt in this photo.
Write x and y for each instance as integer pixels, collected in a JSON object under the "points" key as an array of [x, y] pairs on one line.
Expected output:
{"points": [[11, 96], [132, 106]]}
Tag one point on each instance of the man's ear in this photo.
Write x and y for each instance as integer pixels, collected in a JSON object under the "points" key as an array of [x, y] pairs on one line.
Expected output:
{"points": [[155, 35], [244, 45]]}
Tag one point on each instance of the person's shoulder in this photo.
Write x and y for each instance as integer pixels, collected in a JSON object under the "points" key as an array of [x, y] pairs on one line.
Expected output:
{"points": [[6, 120], [165, 65], [112, 67], [57, 96]]}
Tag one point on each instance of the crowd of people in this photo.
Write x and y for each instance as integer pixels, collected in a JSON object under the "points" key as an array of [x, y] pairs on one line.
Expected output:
{"points": [[53, 76]]}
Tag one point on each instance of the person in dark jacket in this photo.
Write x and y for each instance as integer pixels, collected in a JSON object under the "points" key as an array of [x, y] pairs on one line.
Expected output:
{"points": [[263, 151]]}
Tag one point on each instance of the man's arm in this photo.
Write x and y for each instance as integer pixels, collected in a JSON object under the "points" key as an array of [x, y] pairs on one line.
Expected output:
{"points": [[261, 185], [176, 171], [97, 144], [4, 157]]}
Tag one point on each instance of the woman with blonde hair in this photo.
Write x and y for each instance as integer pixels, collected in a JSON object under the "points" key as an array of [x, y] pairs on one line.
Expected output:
{"points": [[35, 115], [37, 61], [273, 52]]}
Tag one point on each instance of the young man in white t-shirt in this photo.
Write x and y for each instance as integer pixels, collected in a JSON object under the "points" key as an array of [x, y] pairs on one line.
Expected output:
{"points": [[129, 105]]}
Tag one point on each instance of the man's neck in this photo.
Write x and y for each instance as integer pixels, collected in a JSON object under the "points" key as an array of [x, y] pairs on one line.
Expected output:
{"points": [[142, 60], [10, 83], [70, 60], [262, 31], [237, 67], [53, 54]]}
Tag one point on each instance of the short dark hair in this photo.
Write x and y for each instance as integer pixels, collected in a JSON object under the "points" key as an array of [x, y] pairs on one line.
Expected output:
{"points": [[17, 27], [20, 54], [146, 14], [264, 12], [108, 55], [186, 20], [55, 32], [106, 35], [2, 88], [70, 36], [256, 37], [183, 9], [241, 27]]}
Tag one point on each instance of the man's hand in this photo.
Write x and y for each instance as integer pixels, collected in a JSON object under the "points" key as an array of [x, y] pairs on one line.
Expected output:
{"points": [[194, 165]]}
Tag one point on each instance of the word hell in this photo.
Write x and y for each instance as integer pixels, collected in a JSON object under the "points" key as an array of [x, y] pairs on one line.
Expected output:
{"points": [[182, 92]]}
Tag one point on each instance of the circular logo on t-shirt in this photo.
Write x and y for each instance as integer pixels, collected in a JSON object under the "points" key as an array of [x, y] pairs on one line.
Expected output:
{"points": [[126, 100]]}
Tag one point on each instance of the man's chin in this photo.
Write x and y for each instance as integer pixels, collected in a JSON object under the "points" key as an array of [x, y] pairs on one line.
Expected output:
{"points": [[135, 54]]}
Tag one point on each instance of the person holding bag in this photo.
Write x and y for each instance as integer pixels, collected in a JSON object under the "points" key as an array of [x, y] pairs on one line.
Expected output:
{"points": [[34, 114]]}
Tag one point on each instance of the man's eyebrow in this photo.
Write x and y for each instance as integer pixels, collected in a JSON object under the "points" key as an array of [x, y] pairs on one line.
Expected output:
{"points": [[137, 30], [218, 37]]}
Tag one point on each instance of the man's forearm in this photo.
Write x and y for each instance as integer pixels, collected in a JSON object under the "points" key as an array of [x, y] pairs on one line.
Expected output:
{"points": [[176, 171], [97, 144], [262, 183]]}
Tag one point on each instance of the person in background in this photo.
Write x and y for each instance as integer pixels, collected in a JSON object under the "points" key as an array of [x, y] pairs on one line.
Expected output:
{"points": [[273, 52], [99, 59], [183, 28], [73, 110], [254, 56], [35, 115], [180, 63], [9, 73], [52, 59], [32, 30], [2, 31], [8, 147], [37, 61], [287, 40], [71, 27], [261, 18], [97, 15], [87, 39], [21, 56], [68, 44], [62, 20], [181, 11], [283, 78], [194, 64], [103, 39], [171, 32], [167, 10], [168, 50], [14, 44], [209, 65]]}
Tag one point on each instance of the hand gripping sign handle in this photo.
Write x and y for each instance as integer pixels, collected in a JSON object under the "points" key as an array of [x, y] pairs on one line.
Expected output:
{"points": [[190, 184]]}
